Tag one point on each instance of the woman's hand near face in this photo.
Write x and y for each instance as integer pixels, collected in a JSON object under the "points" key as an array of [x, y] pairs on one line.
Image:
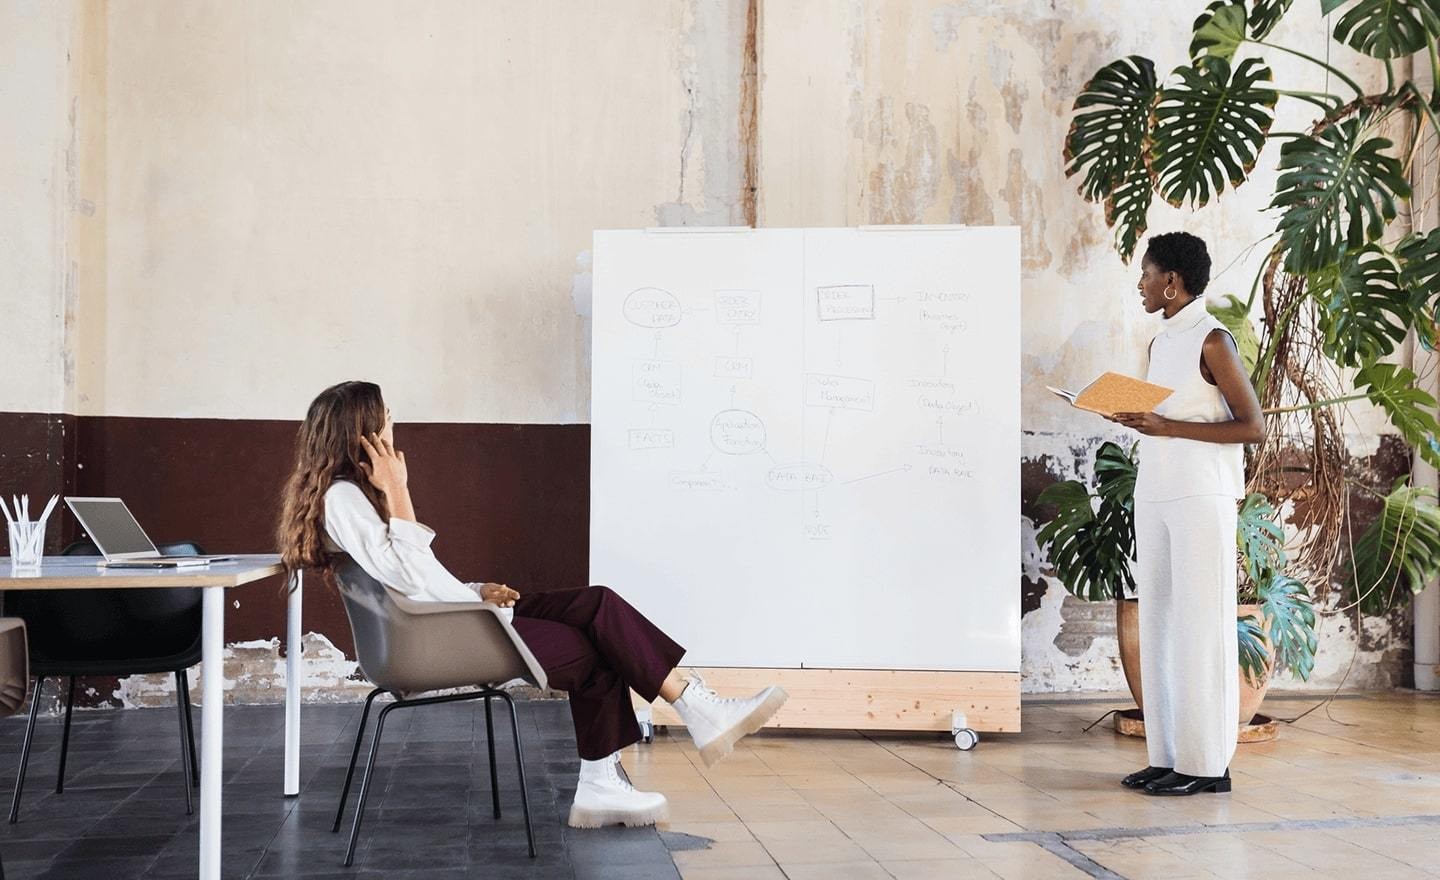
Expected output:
{"points": [[386, 468], [387, 472], [498, 594], [1149, 423]]}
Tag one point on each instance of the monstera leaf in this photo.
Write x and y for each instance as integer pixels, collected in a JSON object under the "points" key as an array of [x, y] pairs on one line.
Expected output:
{"points": [[1401, 548], [1420, 277], [1254, 656], [1392, 388], [1115, 472], [1364, 312], [1260, 538], [1285, 606], [1387, 28], [1209, 127], [1127, 208], [1338, 190], [1236, 319], [1107, 141], [1420, 262], [1090, 545], [1090, 555], [1264, 15], [1219, 30]]}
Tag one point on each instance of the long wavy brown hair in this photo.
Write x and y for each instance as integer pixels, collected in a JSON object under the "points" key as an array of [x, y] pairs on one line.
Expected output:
{"points": [[327, 448]]}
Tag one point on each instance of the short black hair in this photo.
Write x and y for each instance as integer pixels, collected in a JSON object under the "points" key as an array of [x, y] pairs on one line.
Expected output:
{"points": [[1185, 255]]}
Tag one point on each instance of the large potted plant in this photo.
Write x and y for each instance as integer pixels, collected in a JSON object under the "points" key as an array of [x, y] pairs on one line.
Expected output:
{"points": [[1091, 546], [1344, 284]]}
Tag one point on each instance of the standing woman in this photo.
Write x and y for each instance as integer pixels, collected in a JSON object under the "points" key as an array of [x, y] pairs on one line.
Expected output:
{"points": [[1191, 475]]}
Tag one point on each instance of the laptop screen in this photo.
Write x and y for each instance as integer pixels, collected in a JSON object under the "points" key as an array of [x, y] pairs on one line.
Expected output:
{"points": [[110, 525]]}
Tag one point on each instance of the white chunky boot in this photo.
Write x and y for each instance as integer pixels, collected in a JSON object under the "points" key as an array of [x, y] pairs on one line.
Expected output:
{"points": [[716, 723], [605, 797]]}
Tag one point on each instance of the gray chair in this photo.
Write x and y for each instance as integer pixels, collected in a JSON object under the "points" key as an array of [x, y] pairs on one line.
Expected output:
{"points": [[409, 648], [14, 672]]}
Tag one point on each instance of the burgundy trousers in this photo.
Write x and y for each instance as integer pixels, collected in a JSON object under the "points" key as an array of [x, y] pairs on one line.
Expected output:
{"points": [[596, 646]]}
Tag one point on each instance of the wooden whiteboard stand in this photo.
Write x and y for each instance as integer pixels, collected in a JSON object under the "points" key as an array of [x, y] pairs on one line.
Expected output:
{"points": [[870, 699], [722, 359]]}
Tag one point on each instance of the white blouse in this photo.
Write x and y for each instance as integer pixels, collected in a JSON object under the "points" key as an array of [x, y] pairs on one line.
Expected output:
{"points": [[397, 553]]}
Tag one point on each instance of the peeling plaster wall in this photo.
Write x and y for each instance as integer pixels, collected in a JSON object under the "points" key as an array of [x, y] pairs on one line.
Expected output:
{"points": [[880, 111]]}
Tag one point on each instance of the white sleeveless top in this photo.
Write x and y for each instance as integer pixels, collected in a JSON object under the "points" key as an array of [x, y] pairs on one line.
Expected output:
{"points": [[1173, 467]]}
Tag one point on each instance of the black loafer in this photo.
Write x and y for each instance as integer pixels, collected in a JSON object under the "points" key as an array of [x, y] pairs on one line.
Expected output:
{"points": [[1140, 777], [1181, 785]]}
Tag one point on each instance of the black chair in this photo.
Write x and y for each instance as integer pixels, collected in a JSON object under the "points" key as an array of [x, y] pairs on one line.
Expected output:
{"points": [[111, 632]]}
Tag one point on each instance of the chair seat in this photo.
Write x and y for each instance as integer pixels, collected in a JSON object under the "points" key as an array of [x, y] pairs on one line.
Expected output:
{"points": [[40, 665]]}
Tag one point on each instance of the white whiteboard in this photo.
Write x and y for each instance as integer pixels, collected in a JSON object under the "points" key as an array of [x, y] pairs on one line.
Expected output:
{"points": [[805, 443]]}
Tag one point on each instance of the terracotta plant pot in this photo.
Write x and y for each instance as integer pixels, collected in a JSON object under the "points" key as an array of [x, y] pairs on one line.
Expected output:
{"points": [[1127, 632]]}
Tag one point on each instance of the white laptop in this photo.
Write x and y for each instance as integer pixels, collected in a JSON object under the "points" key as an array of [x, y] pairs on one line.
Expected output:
{"points": [[114, 530]]}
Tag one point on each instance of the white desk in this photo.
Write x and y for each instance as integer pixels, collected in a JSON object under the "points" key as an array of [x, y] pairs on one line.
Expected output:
{"points": [[84, 573]]}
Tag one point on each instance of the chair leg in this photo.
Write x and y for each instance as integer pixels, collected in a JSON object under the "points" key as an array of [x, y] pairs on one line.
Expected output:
{"points": [[25, 750], [490, 742], [189, 728], [365, 781], [354, 754], [65, 738], [180, 698], [520, 766]]}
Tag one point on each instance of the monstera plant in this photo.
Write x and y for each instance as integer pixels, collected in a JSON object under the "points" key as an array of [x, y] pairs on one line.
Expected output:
{"points": [[1344, 283], [1091, 543]]}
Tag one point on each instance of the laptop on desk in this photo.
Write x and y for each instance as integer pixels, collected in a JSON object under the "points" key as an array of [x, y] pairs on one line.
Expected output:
{"points": [[124, 544]]}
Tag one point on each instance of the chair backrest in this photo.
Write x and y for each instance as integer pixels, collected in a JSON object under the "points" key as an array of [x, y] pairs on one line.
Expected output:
{"points": [[409, 647], [93, 626], [14, 665]]}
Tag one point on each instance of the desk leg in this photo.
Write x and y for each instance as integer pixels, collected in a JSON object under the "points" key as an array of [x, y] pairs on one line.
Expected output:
{"points": [[212, 731], [293, 666]]}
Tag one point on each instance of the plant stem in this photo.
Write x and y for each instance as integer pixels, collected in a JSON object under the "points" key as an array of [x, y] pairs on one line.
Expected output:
{"points": [[1434, 68], [1267, 357], [1338, 74], [1425, 108], [1316, 405], [1311, 97]]}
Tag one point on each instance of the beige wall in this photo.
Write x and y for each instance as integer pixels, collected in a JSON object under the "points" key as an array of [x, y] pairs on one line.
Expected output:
{"points": [[305, 192], [34, 192], [261, 198]]}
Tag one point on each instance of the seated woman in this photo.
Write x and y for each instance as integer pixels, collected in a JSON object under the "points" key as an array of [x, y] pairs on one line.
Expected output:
{"points": [[348, 494]]}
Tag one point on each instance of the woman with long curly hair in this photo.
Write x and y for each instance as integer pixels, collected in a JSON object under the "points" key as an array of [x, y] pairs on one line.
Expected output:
{"points": [[349, 494]]}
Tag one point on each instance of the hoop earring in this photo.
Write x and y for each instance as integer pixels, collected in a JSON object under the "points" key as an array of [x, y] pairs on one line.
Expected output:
{"points": [[1169, 292]]}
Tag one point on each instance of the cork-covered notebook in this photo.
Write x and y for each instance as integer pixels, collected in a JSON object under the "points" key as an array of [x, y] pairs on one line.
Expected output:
{"points": [[1114, 393]]}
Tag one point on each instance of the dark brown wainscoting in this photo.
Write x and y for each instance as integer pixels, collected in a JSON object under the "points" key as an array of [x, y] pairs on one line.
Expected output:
{"points": [[509, 503]]}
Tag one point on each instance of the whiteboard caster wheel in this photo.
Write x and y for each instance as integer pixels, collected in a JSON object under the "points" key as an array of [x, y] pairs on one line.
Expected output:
{"points": [[646, 720], [966, 739]]}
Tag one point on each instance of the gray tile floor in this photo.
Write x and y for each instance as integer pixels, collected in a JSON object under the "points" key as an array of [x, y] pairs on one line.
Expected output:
{"points": [[122, 814]]}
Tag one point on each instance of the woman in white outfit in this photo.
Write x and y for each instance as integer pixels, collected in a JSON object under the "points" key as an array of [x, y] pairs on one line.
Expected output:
{"points": [[1191, 475]]}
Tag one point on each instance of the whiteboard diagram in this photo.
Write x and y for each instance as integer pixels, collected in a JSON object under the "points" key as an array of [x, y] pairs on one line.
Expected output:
{"points": [[805, 443]]}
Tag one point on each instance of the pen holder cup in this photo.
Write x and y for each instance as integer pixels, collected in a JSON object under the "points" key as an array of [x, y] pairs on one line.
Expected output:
{"points": [[27, 544]]}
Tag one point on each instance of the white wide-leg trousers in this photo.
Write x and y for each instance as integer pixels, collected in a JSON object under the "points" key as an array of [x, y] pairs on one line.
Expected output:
{"points": [[1189, 657]]}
